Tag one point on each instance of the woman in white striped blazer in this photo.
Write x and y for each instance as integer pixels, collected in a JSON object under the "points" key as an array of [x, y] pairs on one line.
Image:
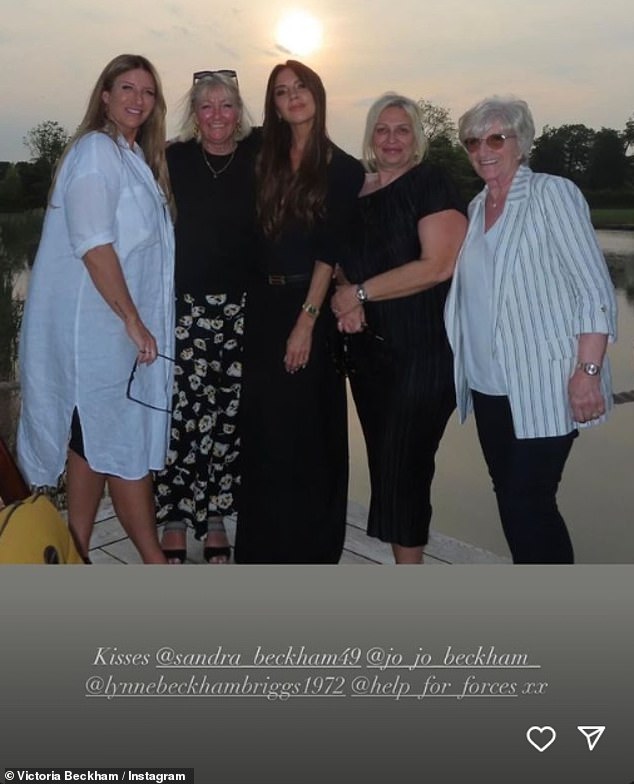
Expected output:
{"points": [[529, 316]]}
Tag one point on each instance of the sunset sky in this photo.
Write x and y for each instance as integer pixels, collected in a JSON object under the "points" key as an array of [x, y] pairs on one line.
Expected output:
{"points": [[572, 60]]}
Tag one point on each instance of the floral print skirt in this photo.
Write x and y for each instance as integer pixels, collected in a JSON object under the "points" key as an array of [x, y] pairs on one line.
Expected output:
{"points": [[199, 480]]}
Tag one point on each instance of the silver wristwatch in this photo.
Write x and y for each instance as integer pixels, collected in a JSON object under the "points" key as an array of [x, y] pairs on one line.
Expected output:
{"points": [[362, 294], [591, 368]]}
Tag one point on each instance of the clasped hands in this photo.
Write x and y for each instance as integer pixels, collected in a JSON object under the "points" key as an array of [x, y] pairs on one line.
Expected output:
{"points": [[347, 309]]}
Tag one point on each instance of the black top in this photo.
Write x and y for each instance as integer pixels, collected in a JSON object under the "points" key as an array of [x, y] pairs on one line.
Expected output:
{"points": [[384, 235], [295, 251], [216, 237]]}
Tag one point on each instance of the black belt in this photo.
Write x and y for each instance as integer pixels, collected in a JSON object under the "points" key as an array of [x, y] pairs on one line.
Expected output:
{"points": [[277, 279]]}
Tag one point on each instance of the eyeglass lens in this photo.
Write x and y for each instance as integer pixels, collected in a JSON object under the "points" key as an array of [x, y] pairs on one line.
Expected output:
{"points": [[133, 398], [494, 141]]}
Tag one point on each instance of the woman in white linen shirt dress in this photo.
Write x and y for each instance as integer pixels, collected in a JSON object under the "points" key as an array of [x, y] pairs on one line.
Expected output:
{"points": [[100, 300]]}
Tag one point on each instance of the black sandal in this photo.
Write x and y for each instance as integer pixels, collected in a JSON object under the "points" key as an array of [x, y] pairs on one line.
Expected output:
{"points": [[215, 525], [176, 555], [217, 552]]}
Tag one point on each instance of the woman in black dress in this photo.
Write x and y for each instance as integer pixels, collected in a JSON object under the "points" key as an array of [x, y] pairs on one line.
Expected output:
{"points": [[293, 420], [404, 243], [212, 170]]}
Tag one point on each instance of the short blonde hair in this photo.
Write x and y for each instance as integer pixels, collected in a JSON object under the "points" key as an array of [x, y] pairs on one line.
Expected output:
{"points": [[194, 96], [413, 110]]}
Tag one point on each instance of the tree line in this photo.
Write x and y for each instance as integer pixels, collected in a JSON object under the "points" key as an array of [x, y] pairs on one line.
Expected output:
{"points": [[25, 185], [599, 162]]}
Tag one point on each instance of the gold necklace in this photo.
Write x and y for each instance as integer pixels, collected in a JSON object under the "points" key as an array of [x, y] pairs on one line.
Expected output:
{"points": [[217, 172]]}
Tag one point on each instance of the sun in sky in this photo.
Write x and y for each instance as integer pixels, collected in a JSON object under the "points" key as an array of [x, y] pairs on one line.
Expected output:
{"points": [[299, 33]]}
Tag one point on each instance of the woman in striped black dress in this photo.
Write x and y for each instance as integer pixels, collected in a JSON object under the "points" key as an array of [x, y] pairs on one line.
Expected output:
{"points": [[404, 243]]}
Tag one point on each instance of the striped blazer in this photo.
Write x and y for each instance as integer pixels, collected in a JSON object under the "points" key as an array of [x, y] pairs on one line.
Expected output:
{"points": [[551, 284]]}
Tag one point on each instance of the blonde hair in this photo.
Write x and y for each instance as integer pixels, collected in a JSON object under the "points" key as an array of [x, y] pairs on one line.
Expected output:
{"points": [[196, 93], [151, 136], [412, 109]]}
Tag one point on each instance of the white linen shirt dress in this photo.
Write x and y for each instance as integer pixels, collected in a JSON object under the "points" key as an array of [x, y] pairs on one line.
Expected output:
{"points": [[74, 350]]}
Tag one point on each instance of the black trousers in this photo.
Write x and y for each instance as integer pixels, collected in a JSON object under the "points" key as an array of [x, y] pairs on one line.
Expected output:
{"points": [[526, 473]]}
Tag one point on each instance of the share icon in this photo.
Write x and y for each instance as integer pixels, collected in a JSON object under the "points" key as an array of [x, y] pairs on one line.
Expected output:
{"points": [[592, 735]]}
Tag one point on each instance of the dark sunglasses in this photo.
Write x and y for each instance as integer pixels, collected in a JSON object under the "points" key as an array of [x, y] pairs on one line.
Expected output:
{"points": [[228, 72], [128, 392], [494, 141]]}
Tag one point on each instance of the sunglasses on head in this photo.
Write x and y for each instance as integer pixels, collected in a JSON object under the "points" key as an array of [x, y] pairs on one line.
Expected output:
{"points": [[229, 72], [494, 141]]}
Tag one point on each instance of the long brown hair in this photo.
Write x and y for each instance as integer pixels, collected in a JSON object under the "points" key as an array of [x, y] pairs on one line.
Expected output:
{"points": [[284, 195], [151, 136]]}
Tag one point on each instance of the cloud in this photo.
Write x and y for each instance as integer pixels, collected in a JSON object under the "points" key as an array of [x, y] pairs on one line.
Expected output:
{"points": [[573, 61]]}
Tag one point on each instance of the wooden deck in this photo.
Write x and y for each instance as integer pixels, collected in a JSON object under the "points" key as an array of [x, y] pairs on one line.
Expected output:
{"points": [[110, 545]]}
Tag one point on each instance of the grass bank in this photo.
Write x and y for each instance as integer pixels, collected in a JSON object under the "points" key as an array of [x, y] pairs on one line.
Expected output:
{"points": [[613, 219]]}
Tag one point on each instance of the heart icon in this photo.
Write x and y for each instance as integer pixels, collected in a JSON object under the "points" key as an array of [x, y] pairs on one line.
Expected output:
{"points": [[541, 737]]}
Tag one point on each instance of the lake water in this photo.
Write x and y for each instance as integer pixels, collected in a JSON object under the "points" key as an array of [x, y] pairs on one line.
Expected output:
{"points": [[597, 493]]}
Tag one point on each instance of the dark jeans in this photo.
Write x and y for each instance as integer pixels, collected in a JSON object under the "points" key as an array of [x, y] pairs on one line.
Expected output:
{"points": [[526, 473]]}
